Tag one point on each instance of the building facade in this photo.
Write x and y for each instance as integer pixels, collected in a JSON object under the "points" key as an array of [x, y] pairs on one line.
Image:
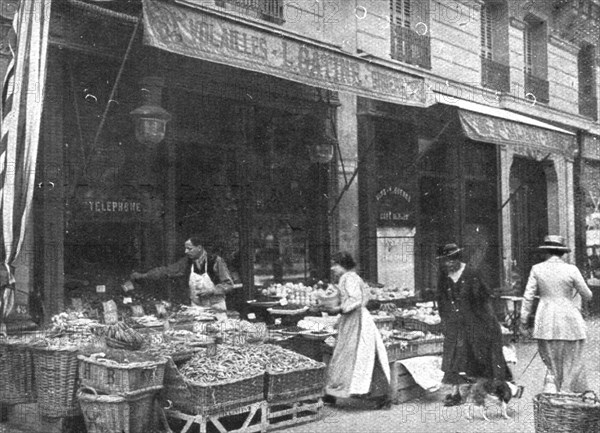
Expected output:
{"points": [[467, 121]]}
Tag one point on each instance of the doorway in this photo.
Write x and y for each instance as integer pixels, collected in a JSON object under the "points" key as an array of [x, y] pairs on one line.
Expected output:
{"points": [[529, 216]]}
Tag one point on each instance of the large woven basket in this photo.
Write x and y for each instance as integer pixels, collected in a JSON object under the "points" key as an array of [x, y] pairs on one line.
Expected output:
{"points": [[16, 374], [207, 399], [115, 378], [56, 381], [566, 413], [128, 413], [294, 384]]}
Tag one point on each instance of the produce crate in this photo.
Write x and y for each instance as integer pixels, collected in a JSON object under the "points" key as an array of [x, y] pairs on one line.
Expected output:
{"points": [[432, 346], [127, 413], [249, 418], [207, 399], [294, 411], [418, 325], [384, 322], [400, 350], [16, 374], [56, 380], [294, 384], [115, 378]]}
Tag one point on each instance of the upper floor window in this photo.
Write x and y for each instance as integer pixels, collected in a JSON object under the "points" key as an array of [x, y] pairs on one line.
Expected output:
{"points": [[536, 59], [588, 102], [409, 32], [495, 72], [269, 10]]}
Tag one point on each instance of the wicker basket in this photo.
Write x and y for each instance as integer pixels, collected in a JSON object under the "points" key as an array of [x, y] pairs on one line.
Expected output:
{"points": [[566, 413], [417, 325], [294, 384], [111, 377], [207, 399], [384, 322], [55, 381], [128, 413], [16, 374], [400, 350]]}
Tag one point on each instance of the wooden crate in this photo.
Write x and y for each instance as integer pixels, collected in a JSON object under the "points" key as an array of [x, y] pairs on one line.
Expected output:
{"points": [[246, 419], [403, 386], [294, 411]]}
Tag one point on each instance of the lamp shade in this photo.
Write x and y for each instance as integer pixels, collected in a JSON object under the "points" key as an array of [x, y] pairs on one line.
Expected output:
{"points": [[150, 124]]}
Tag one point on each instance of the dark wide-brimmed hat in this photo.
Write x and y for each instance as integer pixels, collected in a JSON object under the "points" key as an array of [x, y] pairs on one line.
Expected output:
{"points": [[554, 243], [448, 250]]}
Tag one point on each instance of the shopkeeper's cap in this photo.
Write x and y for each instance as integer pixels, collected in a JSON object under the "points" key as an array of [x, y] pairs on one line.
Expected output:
{"points": [[448, 250], [554, 243]]}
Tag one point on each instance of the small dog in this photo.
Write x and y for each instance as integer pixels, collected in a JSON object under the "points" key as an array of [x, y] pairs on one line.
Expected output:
{"points": [[498, 389]]}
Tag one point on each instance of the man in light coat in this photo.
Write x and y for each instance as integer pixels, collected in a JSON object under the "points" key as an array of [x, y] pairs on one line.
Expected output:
{"points": [[559, 326]]}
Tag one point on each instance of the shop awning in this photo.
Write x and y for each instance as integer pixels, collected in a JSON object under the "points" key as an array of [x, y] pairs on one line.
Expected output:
{"points": [[189, 29], [495, 125]]}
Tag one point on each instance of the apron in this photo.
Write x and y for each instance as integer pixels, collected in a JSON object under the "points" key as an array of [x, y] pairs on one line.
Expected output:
{"points": [[200, 282]]}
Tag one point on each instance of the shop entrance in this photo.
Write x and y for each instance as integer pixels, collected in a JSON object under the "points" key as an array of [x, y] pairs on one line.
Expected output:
{"points": [[529, 215]]}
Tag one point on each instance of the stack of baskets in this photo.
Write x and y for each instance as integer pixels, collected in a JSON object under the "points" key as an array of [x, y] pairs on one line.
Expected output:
{"points": [[118, 395], [566, 412]]}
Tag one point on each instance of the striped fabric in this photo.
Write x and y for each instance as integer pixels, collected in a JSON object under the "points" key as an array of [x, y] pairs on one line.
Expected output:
{"points": [[22, 100]]}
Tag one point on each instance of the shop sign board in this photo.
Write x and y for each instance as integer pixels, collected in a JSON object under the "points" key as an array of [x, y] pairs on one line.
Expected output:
{"points": [[396, 257], [395, 207], [105, 207], [194, 32], [480, 127]]}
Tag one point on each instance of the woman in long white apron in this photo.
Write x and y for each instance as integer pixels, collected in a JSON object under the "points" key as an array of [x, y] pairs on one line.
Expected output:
{"points": [[359, 365]]}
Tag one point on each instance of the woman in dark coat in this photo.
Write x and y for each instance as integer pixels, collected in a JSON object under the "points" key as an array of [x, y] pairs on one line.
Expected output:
{"points": [[472, 334]]}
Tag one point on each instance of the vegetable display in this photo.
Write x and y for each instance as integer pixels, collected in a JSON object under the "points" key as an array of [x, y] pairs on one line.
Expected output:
{"points": [[236, 362]]}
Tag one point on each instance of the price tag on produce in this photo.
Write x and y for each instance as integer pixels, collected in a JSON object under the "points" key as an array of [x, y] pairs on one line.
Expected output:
{"points": [[101, 289], [111, 314], [77, 304], [137, 311], [127, 300], [251, 316], [161, 310]]}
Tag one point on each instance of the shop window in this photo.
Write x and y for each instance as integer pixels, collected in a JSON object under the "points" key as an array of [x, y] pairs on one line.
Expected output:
{"points": [[410, 42], [536, 59], [268, 10], [590, 189], [289, 202], [495, 71], [588, 101]]}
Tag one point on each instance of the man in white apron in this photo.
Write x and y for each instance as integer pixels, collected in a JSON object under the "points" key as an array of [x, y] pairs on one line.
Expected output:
{"points": [[207, 276]]}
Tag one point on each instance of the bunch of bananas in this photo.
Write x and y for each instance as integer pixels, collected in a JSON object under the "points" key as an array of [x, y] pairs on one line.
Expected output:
{"points": [[122, 335]]}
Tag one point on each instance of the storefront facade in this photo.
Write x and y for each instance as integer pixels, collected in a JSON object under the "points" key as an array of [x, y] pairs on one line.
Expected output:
{"points": [[414, 165], [460, 172], [239, 164]]}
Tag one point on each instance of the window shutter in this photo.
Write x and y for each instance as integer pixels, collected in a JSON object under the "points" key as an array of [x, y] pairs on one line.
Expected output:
{"points": [[486, 32], [400, 12]]}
